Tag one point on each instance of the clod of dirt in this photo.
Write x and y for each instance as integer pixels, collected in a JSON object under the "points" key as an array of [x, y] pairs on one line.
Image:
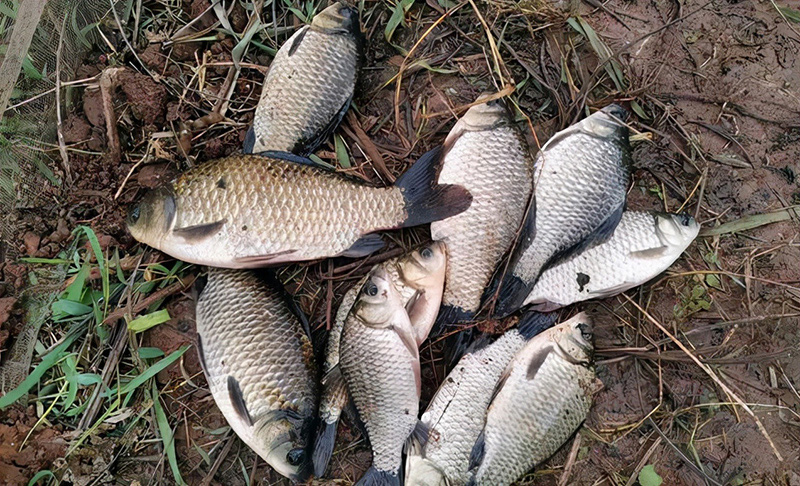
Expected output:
{"points": [[146, 97], [76, 129], [31, 241], [6, 305], [61, 233], [93, 107], [153, 175], [153, 58], [197, 8]]}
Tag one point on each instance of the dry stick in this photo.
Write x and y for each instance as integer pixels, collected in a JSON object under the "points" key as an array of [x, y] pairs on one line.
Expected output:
{"points": [[573, 455], [711, 374], [108, 81], [62, 146], [181, 284], [218, 461], [121, 340], [369, 147], [643, 461], [28, 16]]}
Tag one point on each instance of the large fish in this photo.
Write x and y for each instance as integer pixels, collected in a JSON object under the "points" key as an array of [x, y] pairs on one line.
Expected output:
{"points": [[642, 246], [486, 154], [542, 399], [248, 211], [309, 84], [259, 365], [580, 183], [418, 277], [457, 413], [380, 365]]}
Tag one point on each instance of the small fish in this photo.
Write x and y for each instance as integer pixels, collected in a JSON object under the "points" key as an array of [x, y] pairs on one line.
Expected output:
{"points": [[309, 85], [259, 365], [642, 246], [457, 413], [379, 360], [580, 184], [542, 398], [418, 277], [486, 154], [248, 211]]}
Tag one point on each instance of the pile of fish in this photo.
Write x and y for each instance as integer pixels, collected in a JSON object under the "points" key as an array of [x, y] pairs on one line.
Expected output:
{"points": [[510, 230]]}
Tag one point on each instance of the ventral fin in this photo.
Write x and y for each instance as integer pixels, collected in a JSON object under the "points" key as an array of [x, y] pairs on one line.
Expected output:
{"points": [[199, 232], [237, 400], [256, 261], [364, 246]]}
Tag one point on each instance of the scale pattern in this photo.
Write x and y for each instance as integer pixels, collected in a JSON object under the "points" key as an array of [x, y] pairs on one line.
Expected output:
{"points": [[248, 332], [303, 92], [614, 266], [271, 206], [495, 167], [378, 370], [580, 179]]}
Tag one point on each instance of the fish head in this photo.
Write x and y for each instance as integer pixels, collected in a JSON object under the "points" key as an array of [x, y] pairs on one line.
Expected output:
{"points": [[481, 117], [283, 447], [338, 17], [607, 123], [378, 300], [424, 472], [574, 338], [424, 268], [152, 218], [676, 230]]}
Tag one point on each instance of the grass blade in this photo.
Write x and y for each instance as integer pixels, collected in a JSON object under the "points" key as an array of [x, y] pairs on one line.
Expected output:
{"points": [[144, 323], [750, 222], [167, 436]]}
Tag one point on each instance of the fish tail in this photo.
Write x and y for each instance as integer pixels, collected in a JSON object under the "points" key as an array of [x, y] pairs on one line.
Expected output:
{"points": [[323, 447], [425, 201], [533, 323], [512, 295], [374, 477]]}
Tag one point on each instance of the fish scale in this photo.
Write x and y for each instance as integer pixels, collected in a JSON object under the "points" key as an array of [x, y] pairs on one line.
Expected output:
{"points": [[311, 79], [642, 246], [248, 334], [543, 399], [491, 161]]}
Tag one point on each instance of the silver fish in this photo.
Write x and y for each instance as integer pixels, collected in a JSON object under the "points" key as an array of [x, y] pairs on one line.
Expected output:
{"points": [[486, 154], [248, 211], [642, 246], [456, 415], [580, 183], [380, 365], [259, 366], [309, 85], [418, 277], [542, 399]]}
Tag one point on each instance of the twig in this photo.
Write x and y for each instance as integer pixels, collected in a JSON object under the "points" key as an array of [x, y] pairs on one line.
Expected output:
{"points": [[62, 146], [573, 455], [218, 461], [108, 81], [19, 41], [120, 341], [643, 461], [712, 375], [683, 457], [369, 147]]}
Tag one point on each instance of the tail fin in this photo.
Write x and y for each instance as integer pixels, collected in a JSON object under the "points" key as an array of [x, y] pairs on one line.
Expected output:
{"points": [[513, 292], [425, 200], [533, 323], [373, 477], [323, 447]]}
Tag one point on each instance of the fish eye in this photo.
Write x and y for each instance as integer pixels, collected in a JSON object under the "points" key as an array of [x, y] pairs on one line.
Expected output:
{"points": [[371, 289], [685, 219], [585, 331], [295, 457], [133, 216], [426, 253]]}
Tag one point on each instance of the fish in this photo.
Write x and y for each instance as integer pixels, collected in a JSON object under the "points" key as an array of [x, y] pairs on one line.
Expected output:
{"points": [[641, 247], [379, 361], [542, 398], [456, 415], [418, 276], [259, 363], [310, 84], [486, 154], [581, 176], [250, 211]]}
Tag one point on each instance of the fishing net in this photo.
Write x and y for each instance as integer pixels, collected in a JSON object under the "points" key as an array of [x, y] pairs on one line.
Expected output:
{"points": [[41, 44]]}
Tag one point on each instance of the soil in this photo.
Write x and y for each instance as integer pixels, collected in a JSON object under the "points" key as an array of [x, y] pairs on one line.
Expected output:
{"points": [[713, 85]]}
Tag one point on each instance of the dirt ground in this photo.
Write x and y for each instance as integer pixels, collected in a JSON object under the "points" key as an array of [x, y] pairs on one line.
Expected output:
{"points": [[714, 93]]}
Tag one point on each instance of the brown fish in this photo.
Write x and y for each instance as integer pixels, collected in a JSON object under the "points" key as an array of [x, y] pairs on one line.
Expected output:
{"points": [[248, 211]]}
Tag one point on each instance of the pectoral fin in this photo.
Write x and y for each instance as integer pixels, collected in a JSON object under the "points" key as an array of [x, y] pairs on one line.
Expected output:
{"points": [[199, 232], [237, 400]]}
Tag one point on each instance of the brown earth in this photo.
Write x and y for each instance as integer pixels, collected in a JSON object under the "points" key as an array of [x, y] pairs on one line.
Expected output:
{"points": [[717, 83]]}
